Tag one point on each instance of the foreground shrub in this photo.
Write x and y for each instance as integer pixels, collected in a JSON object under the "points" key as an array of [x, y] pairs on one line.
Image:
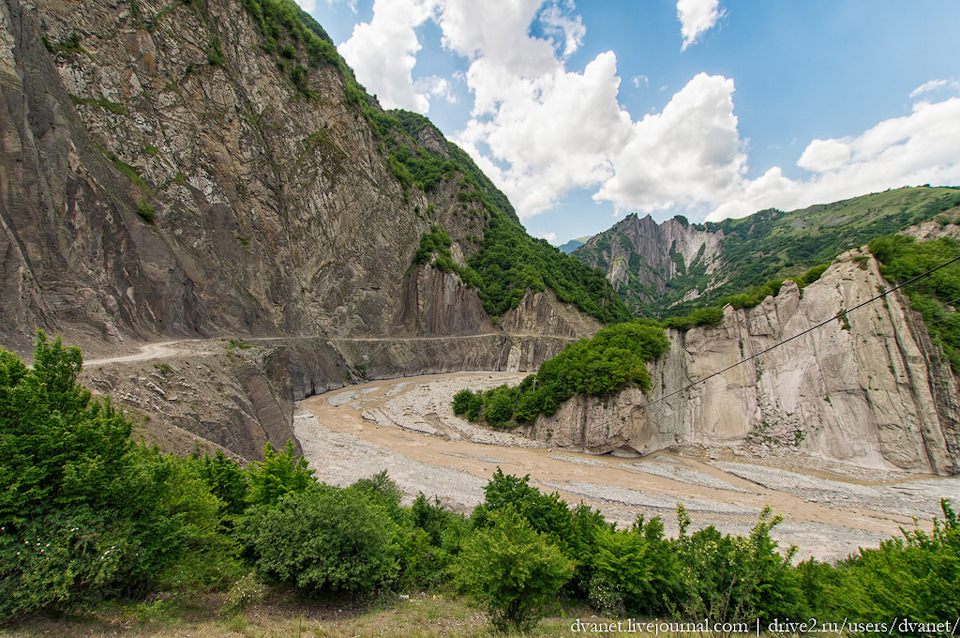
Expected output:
{"points": [[512, 571], [915, 577], [84, 513], [730, 578], [324, 539]]}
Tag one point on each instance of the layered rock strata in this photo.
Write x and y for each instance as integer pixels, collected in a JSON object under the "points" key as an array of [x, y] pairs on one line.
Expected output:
{"points": [[869, 388]]}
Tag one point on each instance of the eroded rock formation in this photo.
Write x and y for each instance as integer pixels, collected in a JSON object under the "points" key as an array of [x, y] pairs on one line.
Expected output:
{"points": [[869, 388]]}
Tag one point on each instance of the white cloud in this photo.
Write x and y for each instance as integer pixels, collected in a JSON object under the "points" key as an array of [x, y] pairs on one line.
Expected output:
{"points": [[557, 23], [696, 17], [640, 79], [383, 52], [934, 85], [920, 148], [689, 153], [554, 131], [436, 86], [307, 5], [825, 155], [550, 237], [540, 130]]}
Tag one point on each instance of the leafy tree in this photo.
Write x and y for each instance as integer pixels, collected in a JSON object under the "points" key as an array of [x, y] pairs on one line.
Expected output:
{"points": [[735, 578], [512, 570], [278, 474], [225, 478], [84, 512], [621, 570], [383, 491]]}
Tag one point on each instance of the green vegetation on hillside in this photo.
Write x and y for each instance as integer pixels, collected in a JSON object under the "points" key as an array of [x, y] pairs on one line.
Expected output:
{"points": [[774, 244], [86, 515], [434, 250], [936, 296], [614, 358], [510, 262]]}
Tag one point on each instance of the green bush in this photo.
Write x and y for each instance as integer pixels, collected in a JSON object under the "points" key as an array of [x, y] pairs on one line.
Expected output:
{"points": [[325, 539], [146, 211], [614, 358], [735, 578], [225, 478], [574, 530], [512, 571], [280, 473], [935, 296], [84, 512], [915, 577]]}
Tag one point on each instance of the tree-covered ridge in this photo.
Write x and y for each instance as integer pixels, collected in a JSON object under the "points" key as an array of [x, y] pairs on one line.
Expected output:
{"points": [[510, 262], [773, 244], [614, 358], [87, 515]]}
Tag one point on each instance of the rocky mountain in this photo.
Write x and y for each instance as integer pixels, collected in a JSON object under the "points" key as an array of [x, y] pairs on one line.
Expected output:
{"points": [[670, 268], [573, 244], [869, 388], [210, 172], [211, 168]]}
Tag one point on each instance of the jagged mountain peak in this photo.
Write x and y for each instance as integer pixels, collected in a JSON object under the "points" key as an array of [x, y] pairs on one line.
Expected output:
{"points": [[668, 268]]}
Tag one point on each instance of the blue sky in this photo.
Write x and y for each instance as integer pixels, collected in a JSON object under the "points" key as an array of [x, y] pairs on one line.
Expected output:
{"points": [[583, 112]]}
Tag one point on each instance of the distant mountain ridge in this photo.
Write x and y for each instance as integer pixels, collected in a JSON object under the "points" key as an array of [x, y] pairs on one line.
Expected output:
{"points": [[573, 244], [668, 269]]}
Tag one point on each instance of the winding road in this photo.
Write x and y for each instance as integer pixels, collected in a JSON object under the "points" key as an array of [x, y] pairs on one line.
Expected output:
{"points": [[164, 349]]}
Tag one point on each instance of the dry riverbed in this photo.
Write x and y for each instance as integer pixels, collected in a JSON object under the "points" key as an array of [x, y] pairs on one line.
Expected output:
{"points": [[406, 426]]}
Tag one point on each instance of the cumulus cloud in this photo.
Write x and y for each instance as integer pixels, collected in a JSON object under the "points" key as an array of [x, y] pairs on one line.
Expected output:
{"points": [[919, 148], [550, 237], [688, 153], [540, 130], [436, 86], [554, 132], [697, 17], [569, 28], [383, 52]]}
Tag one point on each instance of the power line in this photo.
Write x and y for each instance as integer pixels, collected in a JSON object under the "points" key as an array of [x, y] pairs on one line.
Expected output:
{"points": [[839, 315]]}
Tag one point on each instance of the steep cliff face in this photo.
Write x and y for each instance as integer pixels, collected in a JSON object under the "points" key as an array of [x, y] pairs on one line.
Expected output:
{"points": [[641, 256], [871, 389], [163, 175], [166, 169]]}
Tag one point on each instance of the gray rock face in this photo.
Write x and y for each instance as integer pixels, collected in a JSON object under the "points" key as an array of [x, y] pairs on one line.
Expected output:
{"points": [[651, 253], [273, 213], [161, 175], [871, 390]]}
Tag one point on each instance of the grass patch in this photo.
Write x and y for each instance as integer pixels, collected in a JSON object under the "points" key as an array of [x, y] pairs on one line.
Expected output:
{"points": [[67, 47], [146, 211]]}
